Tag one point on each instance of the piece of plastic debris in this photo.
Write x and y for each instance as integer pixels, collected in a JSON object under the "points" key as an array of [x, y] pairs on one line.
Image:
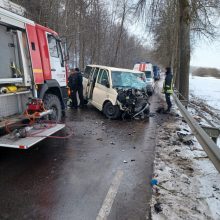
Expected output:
{"points": [[125, 161], [122, 150], [186, 138], [152, 115], [158, 208], [154, 182], [132, 160], [160, 110]]}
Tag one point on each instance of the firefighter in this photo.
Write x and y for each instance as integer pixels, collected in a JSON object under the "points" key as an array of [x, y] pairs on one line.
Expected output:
{"points": [[76, 86], [168, 88]]}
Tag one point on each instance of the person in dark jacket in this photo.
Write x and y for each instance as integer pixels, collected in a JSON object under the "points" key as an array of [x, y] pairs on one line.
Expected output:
{"points": [[168, 87], [75, 82]]}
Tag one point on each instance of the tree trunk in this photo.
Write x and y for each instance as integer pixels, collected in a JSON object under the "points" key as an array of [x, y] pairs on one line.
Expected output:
{"points": [[114, 61], [184, 48], [176, 57]]}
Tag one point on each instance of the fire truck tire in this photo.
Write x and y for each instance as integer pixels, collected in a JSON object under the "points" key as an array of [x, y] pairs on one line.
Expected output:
{"points": [[53, 102]]}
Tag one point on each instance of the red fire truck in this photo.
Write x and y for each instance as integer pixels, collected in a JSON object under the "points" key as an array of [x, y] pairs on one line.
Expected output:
{"points": [[33, 79]]}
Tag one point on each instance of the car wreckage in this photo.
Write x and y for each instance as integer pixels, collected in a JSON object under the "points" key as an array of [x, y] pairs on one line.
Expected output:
{"points": [[116, 92], [133, 103]]}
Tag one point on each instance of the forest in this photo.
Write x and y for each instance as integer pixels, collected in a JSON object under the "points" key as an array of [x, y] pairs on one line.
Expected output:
{"points": [[110, 32]]}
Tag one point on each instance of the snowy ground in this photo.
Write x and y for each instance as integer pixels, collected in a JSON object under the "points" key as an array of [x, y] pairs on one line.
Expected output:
{"points": [[206, 89], [188, 184], [205, 100]]}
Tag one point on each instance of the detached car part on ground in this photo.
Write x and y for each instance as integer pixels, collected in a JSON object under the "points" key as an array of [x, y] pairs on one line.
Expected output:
{"points": [[116, 92]]}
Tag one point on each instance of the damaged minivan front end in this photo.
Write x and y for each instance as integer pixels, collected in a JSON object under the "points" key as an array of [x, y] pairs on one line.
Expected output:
{"points": [[132, 97], [133, 103]]}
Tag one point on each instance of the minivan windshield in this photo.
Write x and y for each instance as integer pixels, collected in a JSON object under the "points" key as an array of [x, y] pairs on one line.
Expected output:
{"points": [[128, 79]]}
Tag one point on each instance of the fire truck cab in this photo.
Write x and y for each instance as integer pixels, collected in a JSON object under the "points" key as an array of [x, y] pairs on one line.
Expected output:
{"points": [[32, 67]]}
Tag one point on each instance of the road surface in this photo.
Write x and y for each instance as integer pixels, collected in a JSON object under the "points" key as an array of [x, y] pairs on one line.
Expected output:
{"points": [[102, 172]]}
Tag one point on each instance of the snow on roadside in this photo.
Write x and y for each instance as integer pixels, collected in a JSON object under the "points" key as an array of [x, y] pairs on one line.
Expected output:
{"points": [[188, 183], [206, 89]]}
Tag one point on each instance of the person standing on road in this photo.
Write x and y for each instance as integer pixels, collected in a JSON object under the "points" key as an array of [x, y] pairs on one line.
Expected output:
{"points": [[75, 82], [168, 87]]}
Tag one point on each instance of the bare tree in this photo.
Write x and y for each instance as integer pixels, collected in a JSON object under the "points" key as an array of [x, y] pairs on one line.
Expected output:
{"points": [[173, 23], [95, 33]]}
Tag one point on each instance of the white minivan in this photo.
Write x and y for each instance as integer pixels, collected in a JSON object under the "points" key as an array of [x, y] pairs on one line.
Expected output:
{"points": [[147, 69], [116, 91]]}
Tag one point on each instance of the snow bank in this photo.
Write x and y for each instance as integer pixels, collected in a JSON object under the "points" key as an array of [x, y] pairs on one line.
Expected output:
{"points": [[188, 184], [207, 89]]}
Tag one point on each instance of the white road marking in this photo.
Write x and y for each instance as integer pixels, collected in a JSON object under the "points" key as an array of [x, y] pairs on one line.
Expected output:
{"points": [[109, 199]]}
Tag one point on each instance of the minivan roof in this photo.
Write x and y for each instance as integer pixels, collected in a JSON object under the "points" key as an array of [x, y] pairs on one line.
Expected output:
{"points": [[115, 69]]}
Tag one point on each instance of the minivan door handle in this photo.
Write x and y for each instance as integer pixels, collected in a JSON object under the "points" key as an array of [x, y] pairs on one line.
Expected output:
{"points": [[53, 70]]}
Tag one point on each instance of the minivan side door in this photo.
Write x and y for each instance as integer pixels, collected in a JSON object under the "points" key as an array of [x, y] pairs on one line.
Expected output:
{"points": [[102, 89], [91, 81], [86, 77]]}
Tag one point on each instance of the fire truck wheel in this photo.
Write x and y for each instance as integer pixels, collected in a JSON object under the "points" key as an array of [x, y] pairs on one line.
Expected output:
{"points": [[52, 102]]}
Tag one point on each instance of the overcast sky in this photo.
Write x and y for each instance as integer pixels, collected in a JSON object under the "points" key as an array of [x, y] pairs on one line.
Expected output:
{"points": [[206, 54]]}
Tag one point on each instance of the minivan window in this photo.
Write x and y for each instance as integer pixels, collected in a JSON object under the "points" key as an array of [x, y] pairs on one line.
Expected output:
{"points": [[104, 78], [87, 72], [127, 79], [95, 74], [99, 76]]}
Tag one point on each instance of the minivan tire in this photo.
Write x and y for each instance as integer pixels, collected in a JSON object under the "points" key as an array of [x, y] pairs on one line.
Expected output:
{"points": [[51, 101], [111, 111]]}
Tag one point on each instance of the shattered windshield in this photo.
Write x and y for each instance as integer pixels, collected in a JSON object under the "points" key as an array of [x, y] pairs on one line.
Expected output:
{"points": [[128, 79]]}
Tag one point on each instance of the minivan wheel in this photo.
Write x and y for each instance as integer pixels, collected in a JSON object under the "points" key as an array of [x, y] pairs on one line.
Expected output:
{"points": [[111, 111]]}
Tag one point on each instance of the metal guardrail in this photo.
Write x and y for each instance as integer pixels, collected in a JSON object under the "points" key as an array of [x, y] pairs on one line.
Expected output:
{"points": [[211, 149]]}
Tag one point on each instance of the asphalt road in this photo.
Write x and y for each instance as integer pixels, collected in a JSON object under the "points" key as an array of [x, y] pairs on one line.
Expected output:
{"points": [[102, 171]]}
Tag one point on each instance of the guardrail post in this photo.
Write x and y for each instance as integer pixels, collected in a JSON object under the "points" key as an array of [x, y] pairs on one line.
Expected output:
{"points": [[212, 132]]}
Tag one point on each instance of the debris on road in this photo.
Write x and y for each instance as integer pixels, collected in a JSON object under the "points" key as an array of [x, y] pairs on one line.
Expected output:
{"points": [[186, 138], [158, 207], [154, 182]]}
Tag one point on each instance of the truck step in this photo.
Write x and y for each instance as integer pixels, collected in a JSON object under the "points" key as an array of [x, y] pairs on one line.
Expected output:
{"points": [[33, 136]]}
